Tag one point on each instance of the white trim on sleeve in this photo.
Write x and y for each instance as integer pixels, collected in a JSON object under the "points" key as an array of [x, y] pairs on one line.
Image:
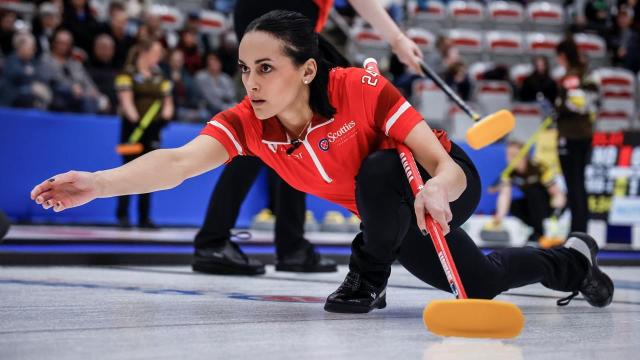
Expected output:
{"points": [[392, 120], [226, 131]]}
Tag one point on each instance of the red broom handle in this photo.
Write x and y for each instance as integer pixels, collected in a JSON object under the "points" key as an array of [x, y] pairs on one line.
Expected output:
{"points": [[435, 231]]}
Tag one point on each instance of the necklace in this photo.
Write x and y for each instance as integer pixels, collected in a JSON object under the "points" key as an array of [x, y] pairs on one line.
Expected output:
{"points": [[295, 143]]}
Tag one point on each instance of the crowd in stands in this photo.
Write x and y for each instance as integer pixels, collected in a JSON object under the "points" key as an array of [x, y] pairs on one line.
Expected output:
{"points": [[612, 20], [63, 57]]}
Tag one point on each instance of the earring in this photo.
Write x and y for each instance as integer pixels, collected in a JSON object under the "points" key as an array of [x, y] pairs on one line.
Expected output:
{"points": [[306, 82]]}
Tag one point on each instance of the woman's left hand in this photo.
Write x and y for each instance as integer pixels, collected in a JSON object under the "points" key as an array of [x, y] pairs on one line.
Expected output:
{"points": [[432, 199], [408, 52]]}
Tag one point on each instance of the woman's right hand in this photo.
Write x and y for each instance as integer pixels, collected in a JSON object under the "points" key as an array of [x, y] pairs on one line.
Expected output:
{"points": [[432, 200], [68, 190]]}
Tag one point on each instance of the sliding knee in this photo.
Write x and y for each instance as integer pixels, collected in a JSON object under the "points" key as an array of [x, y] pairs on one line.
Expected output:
{"points": [[379, 165], [489, 287]]}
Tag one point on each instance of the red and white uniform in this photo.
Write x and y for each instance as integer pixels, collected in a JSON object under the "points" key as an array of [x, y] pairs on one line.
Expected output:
{"points": [[371, 115]]}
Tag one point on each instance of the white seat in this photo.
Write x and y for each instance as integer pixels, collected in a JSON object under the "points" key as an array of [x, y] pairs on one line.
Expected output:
{"points": [[211, 22], [519, 72], [593, 46], [611, 121], [468, 14], [543, 15], [613, 76], [617, 90], [460, 123], [430, 101], [539, 43], [477, 70], [557, 72], [433, 16], [365, 42], [469, 43], [492, 95], [505, 47], [171, 18], [618, 100], [425, 39], [528, 119], [505, 15]]}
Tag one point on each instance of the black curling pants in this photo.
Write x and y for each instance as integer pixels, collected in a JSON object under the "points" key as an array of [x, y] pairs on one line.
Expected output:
{"points": [[389, 233], [288, 204], [574, 155]]}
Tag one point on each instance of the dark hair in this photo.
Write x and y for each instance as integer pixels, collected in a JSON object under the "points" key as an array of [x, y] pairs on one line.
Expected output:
{"points": [[302, 43], [116, 6], [545, 60], [569, 49], [69, 13], [57, 33], [208, 53], [140, 47]]}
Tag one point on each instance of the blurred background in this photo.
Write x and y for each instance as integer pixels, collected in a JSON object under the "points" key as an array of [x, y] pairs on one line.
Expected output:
{"points": [[59, 110]]}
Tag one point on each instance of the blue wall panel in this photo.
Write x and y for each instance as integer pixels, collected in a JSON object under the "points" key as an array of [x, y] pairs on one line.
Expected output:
{"points": [[35, 145]]}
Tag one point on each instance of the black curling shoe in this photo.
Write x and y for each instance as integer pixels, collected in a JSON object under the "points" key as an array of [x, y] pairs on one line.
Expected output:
{"points": [[597, 287], [306, 260], [227, 259], [356, 295]]}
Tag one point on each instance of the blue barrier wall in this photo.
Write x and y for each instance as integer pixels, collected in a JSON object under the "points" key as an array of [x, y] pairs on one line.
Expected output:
{"points": [[36, 145]]}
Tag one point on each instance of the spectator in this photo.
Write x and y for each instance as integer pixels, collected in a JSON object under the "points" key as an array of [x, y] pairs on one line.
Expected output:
{"points": [[228, 53], [139, 87], [575, 108], [598, 15], [542, 196], [153, 29], [142, 34], [20, 84], [456, 77], [44, 25], [632, 53], [539, 82], [216, 87], [620, 34], [444, 56], [403, 78], [188, 43], [206, 42], [186, 96], [496, 72], [117, 29], [7, 31], [103, 72], [79, 20], [73, 89]]}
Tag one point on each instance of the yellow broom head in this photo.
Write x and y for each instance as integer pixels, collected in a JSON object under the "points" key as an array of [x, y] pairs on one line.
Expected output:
{"points": [[490, 129], [548, 242], [473, 318], [129, 149]]}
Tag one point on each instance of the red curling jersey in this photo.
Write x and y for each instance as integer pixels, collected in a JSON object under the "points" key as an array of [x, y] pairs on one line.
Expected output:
{"points": [[370, 115]]}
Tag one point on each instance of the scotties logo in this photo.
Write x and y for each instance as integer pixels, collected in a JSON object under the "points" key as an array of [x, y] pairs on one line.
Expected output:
{"points": [[333, 136], [323, 144]]}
